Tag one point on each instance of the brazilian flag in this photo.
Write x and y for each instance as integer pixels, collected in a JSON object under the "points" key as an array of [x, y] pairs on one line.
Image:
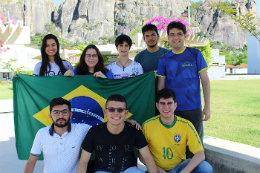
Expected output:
{"points": [[87, 94]]}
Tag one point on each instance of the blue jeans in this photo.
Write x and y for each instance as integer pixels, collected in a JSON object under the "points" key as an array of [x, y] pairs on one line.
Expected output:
{"points": [[203, 167], [129, 170]]}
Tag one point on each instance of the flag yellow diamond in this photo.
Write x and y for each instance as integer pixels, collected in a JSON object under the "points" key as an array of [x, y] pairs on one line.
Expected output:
{"points": [[43, 117]]}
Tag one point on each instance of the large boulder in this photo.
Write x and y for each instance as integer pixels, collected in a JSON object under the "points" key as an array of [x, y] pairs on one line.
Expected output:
{"points": [[34, 13], [37, 13], [221, 27], [86, 20]]}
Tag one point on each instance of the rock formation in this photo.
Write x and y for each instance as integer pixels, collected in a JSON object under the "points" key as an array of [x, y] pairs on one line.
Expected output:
{"points": [[221, 27], [87, 20], [33, 13]]}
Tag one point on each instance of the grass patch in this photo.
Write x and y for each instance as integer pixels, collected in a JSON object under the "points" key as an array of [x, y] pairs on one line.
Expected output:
{"points": [[6, 91], [235, 111]]}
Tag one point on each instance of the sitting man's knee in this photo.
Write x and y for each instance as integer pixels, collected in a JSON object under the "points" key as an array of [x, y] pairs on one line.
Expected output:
{"points": [[204, 167]]}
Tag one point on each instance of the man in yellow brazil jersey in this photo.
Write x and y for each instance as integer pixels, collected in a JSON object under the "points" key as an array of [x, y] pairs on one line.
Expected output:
{"points": [[168, 136]]}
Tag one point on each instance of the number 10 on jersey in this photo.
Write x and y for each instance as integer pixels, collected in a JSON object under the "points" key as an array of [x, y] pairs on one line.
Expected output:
{"points": [[167, 153]]}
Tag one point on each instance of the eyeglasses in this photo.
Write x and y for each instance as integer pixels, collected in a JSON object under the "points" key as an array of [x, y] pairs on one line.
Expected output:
{"points": [[63, 112], [119, 110], [178, 34], [93, 56]]}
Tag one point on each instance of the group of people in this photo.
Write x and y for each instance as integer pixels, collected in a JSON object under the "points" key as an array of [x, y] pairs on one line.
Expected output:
{"points": [[169, 142], [91, 61]]}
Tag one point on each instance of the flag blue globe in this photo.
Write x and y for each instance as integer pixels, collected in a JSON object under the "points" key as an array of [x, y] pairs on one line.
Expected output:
{"points": [[86, 111]]}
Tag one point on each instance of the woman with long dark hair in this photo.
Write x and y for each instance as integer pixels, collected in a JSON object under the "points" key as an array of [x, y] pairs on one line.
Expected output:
{"points": [[91, 63], [51, 63]]}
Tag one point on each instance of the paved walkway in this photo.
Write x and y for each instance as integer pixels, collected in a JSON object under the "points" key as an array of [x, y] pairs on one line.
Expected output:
{"points": [[6, 105], [240, 77], [9, 162]]}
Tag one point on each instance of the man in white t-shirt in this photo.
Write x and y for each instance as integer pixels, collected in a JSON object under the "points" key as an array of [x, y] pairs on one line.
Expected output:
{"points": [[60, 142]]}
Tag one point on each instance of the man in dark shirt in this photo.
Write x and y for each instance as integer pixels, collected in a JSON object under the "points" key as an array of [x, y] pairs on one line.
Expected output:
{"points": [[114, 142], [149, 57]]}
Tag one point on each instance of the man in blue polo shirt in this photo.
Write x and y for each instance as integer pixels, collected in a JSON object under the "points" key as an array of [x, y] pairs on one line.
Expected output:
{"points": [[181, 70]]}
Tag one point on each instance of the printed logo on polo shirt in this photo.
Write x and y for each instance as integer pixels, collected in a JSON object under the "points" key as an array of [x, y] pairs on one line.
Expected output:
{"points": [[187, 64], [177, 138]]}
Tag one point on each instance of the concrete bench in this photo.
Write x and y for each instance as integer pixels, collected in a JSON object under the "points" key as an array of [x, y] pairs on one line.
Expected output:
{"points": [[231, 157]]}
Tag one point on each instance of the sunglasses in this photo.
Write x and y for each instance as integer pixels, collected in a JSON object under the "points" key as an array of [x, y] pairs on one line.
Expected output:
{"points": [[119, 110]]}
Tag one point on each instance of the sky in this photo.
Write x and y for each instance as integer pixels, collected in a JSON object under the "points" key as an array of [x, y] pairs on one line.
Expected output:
{"points": [[57, 2]]}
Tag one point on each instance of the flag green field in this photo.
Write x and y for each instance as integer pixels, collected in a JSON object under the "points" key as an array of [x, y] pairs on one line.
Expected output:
{"points": [[32, 96]]}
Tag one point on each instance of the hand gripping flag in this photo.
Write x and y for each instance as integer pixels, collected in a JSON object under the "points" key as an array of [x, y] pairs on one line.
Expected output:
{"points": [[88, 94]]}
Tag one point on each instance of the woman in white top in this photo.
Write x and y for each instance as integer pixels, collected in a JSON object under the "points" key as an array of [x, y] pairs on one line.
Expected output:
{"points": [[124, 67], [51, 63]]}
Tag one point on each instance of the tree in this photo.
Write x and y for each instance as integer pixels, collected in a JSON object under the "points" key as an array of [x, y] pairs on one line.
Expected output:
{"points": [[206, 52], [52, 29], [94, 42], [216, 44], [246, 21], [81, 47], [9, 65], [241, 55], [36, 41], [194, 7]]}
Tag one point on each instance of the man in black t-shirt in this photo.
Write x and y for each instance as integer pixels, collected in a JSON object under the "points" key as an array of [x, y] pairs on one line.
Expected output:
{"points": [[114, 142]]}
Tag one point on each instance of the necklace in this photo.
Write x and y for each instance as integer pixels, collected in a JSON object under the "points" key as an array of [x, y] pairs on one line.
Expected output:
{"points": [[123, 65]]}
